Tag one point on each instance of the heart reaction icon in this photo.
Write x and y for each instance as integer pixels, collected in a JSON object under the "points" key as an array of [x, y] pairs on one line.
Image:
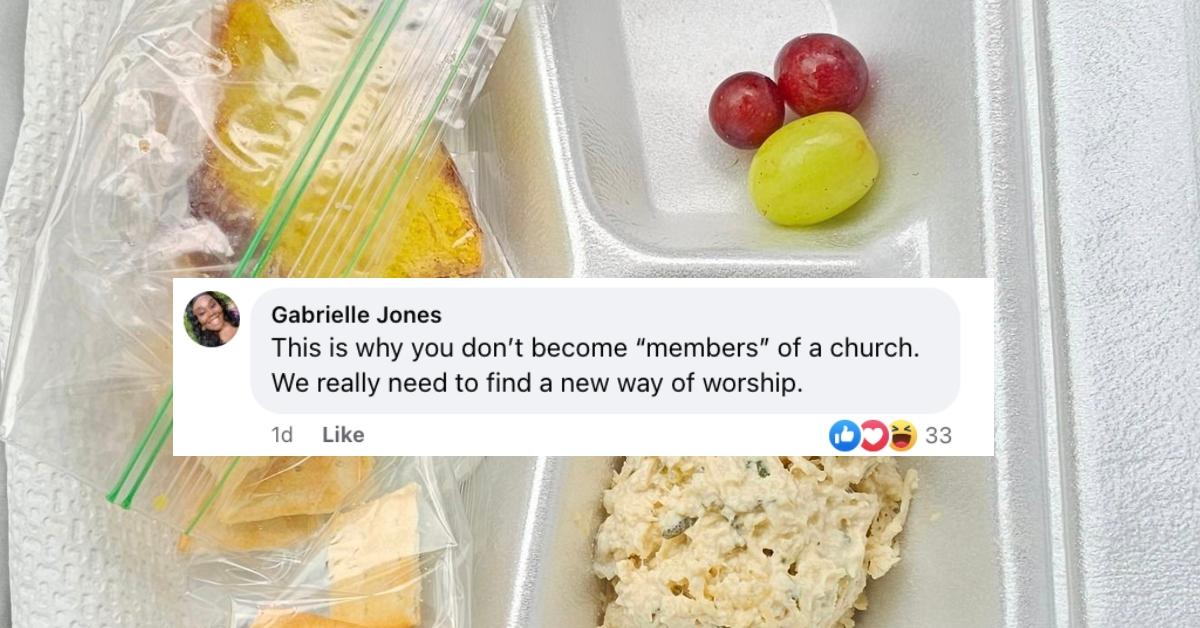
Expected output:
{"points": [[874, 435]]}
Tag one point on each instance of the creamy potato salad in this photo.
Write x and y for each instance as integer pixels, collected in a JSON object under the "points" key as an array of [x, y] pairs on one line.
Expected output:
{"points": [[739, 542]]}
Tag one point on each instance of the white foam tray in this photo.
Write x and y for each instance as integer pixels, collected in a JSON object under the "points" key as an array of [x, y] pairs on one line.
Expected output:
{"points": [[1113, 199]]}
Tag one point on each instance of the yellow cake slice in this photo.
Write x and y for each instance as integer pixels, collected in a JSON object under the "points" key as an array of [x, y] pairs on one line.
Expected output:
{"points": [[285, 59]]}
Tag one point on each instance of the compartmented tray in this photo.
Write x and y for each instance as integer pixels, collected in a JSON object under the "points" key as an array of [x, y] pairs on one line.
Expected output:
{"points": [[597, 151], [592, 126]]}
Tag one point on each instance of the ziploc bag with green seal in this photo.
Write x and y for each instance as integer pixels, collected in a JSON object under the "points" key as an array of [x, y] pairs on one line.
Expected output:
{"points": [[246, 138], [396, 553]]}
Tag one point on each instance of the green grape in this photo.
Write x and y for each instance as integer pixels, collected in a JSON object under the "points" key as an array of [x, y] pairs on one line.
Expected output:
{"points": [[813, 169]]}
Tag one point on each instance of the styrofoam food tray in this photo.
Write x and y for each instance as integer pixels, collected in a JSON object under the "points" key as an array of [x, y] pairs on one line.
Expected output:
{"points": [[595, 142], [988, 118]]}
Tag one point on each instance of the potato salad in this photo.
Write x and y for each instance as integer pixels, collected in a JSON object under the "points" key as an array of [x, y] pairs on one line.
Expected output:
{"points": [[739, 542]]}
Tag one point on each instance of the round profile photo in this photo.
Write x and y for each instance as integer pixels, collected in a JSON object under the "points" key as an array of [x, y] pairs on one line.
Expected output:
{"points": [[211, 319]]}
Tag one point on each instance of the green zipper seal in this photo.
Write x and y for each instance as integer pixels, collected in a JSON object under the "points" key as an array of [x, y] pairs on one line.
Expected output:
{"points": [[425, 127], [283, 192], [258, 267], [158, 417], [441, 98], [262, 260], [158, 445], [212, 496]]}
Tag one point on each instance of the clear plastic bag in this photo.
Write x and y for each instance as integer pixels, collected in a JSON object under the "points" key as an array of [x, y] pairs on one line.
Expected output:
{"points": [[234, 138], [396, 553]]}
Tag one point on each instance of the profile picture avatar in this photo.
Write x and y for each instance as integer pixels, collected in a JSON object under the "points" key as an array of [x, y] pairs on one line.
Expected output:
{"points": [[211, 319]]}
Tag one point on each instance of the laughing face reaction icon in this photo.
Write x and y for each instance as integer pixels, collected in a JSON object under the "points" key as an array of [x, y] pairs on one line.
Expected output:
{"points": [[904, 435]]}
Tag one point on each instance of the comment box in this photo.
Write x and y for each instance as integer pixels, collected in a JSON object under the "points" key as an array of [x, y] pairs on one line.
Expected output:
{"points": [[581, 366]]}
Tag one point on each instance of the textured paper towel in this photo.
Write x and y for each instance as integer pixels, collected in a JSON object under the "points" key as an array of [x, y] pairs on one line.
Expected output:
{"points": [[74, 559], [77, 561], [62, 50]]}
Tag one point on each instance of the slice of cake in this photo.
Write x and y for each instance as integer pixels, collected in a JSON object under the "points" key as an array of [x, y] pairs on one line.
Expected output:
{"points": [[285, 59]]}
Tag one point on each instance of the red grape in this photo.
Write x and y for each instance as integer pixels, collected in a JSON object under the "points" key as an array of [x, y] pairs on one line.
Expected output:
{"points": [[746, 109], [821, 72]]}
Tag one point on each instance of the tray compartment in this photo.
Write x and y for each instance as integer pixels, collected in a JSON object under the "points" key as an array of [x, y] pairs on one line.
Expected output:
{"points": [[608, 102], [536, 520]]}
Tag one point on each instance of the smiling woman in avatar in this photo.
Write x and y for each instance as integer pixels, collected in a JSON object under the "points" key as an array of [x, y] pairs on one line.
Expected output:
{"points": [[212, 319]]}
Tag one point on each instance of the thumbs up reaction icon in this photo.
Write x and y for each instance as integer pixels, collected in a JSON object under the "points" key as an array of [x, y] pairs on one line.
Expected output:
{"points": [[845, 435]]}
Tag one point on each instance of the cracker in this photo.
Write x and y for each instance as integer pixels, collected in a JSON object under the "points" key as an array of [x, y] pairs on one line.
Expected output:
{"points": [[258, 535], [374, 554], [289, 486], [295, 619]]}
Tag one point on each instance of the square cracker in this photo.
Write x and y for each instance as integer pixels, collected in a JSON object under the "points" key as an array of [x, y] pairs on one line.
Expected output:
{"points": [[295, 619], [257, 535], [288, 486], [374, 555]]}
